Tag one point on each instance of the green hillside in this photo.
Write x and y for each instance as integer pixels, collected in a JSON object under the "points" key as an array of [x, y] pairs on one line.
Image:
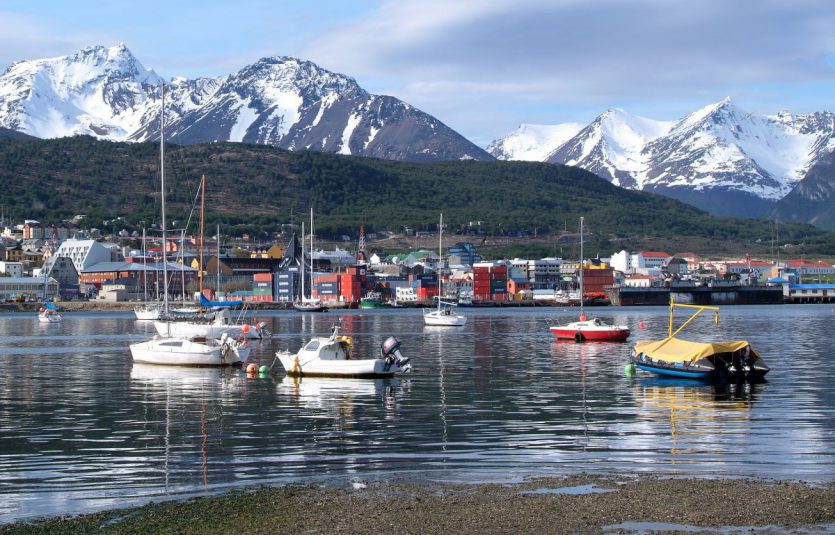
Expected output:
{"points": [[255, 189]]}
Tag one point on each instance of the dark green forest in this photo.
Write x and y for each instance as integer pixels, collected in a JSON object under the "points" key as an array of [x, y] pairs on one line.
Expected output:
{"points": [[256, 189]]}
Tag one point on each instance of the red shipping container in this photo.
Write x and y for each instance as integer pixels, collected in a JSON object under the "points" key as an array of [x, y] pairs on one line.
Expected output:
{"points": [[263, 277]]}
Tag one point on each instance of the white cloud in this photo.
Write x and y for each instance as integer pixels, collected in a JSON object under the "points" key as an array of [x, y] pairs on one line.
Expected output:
{"points": [[439, 55]]}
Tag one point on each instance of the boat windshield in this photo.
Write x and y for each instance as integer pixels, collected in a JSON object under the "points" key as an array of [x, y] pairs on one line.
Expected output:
{"points": [[313, 345]]}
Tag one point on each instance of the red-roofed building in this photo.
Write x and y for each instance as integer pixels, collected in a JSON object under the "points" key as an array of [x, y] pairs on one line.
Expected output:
{"points": [[807, 267], [652, 259]]}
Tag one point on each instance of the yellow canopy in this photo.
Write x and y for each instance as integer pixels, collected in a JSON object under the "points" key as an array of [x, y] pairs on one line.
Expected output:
{"points": [[676, 350]]}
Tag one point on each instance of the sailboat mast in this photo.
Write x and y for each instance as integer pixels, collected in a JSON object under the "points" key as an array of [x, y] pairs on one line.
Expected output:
{"points": [[301, 295], [202, 213], [582, 314], [311, 252], [217, 290], [440, 260], [144, 266], [183, 263], [162, 200]]}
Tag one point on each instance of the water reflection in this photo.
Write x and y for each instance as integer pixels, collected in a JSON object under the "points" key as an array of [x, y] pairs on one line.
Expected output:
{"points": [[82, 428], [698, 415]]}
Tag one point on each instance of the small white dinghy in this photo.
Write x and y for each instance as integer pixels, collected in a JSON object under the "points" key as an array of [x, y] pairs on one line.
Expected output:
{"points": [[332, 356]]}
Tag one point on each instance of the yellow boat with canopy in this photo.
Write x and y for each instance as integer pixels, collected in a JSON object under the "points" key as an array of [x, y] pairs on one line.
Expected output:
{"points": [[698, 360]]}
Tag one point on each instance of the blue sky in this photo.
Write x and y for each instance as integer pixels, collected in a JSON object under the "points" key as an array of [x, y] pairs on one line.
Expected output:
{"points": [[482, 67]]}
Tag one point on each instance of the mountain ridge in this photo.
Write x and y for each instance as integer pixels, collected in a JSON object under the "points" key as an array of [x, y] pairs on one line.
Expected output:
{"points": [[280, 101], [716, 151]]}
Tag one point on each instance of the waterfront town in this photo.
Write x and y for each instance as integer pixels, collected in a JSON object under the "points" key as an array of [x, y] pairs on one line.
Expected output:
{"points": [[61, 262]]}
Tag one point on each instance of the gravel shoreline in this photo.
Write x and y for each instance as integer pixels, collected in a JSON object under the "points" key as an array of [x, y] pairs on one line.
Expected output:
{"points": [[576, 504]]}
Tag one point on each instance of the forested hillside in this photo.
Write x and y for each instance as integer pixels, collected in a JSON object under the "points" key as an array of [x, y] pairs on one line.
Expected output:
{"points": [[255, 189]]}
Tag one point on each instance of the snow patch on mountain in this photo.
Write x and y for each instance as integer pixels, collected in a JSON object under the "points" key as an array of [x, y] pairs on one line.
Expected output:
{"points": [[246, 116], [353, 121]]}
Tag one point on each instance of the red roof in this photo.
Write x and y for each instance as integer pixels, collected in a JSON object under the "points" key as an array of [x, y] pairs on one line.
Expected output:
{"points": [[807, 263], [654, 254]]}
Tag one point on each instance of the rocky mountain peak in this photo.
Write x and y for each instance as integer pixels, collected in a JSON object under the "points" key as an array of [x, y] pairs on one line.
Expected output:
{"points": [[282, 101]]}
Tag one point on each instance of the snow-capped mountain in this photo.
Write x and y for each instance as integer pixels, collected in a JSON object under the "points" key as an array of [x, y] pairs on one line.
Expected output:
{"points": [[718, 158], [533, 142], [280, 101], [612, 147]]}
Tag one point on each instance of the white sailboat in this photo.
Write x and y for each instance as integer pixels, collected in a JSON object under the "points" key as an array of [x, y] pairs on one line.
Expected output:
{"points": [[48, 313], [304, 303], [175, 350], [212, 324], [444, 315]]}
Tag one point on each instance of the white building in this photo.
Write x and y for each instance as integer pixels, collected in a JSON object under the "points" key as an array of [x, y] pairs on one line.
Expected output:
{"points": [[85, 253], [12, 269], [646, 262]]}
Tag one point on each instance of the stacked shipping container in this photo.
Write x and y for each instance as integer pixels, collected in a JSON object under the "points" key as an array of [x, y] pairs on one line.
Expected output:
{"points": [[489, 282], [262, 287], [596, 280]]}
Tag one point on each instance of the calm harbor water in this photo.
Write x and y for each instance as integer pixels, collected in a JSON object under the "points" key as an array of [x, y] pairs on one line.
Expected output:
{"points": [[84, 429]]}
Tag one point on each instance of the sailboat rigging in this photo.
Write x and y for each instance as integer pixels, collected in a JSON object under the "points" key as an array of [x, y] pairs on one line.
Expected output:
{"points": [[304, 303], [443, 315], [588, 329], [179, 350]]}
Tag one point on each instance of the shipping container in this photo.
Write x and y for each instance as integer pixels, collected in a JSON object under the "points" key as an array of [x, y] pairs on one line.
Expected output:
{"points": [[263, 277]]}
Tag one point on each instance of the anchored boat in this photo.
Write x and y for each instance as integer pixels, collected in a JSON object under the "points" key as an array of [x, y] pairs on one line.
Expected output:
{"points": [[719, 361], [588, 329], [333, 356]]}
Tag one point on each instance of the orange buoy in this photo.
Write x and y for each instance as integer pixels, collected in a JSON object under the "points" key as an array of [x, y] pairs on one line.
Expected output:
{"points": [[642, 325], [245, 329], [252, 368]]}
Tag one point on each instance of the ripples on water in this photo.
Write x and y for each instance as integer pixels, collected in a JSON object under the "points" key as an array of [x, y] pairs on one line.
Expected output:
{"points": [[82, 428]]}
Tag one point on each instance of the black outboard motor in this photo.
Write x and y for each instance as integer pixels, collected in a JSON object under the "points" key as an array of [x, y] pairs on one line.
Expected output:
{"points": [[390, 351]]}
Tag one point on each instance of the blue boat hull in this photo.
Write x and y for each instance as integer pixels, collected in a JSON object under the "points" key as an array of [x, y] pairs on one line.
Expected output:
{"points": [[676, 373]]}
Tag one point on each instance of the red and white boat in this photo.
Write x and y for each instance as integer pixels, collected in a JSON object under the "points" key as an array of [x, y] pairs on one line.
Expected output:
{"points": [[589, 329], [593, 330]]}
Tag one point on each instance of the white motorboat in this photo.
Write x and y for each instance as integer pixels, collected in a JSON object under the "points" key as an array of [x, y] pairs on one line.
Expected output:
{"points": [[211, 325], [49, 314], [197, 351], [332, 356], [443, 316]]}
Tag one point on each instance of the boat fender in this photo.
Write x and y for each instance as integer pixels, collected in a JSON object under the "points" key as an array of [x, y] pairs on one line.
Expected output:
{"points": [[578, 337], [225, 348]]}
